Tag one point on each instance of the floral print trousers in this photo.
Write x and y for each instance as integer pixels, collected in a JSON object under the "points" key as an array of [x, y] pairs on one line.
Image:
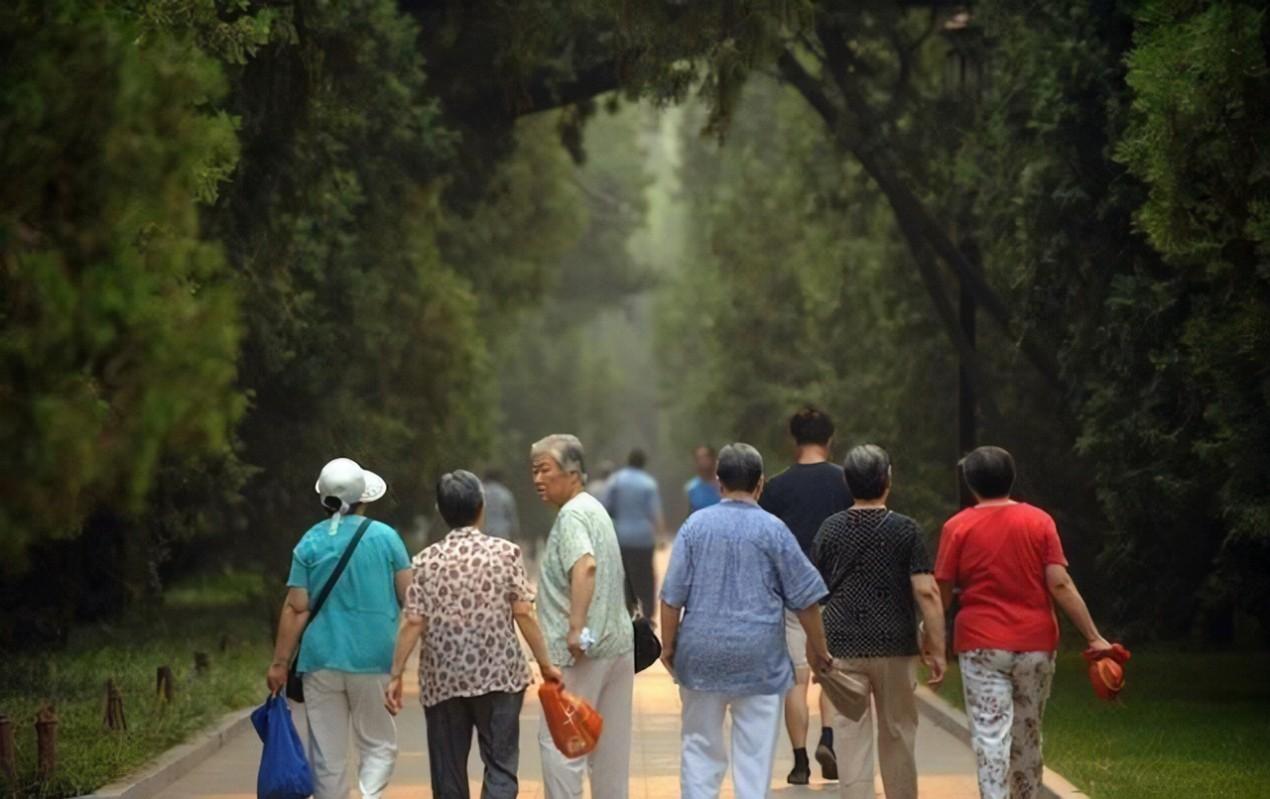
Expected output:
{"points": [[1005, 700]]}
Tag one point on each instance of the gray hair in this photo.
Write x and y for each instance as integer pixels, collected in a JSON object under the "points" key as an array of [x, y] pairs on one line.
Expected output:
{"points": [[740, 467], [460, 498], [563, 448], [868, 471]]}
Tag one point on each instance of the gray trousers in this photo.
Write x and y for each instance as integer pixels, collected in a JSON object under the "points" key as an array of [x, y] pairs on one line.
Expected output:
{"points": [[496, 719]]}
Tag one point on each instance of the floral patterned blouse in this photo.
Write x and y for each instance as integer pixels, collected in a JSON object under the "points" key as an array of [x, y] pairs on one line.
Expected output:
{"points": [[464, 587]]}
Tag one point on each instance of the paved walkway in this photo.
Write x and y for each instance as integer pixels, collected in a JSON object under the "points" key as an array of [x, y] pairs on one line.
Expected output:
{"points": [[945, 765]]}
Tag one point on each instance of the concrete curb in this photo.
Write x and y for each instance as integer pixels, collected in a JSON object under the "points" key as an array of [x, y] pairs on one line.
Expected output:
{"points": [[178, 761], [954, 721]]}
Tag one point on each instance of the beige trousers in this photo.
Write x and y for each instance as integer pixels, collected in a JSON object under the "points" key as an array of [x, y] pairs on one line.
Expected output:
{"points": [[891, 681], [336, 701], [607, 684]]}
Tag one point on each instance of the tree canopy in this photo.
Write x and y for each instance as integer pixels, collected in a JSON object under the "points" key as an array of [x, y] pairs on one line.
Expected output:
{"points": [[239, 237]]}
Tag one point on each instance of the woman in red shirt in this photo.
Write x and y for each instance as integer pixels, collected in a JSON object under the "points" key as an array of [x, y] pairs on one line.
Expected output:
{"points": [[1006, 560]]}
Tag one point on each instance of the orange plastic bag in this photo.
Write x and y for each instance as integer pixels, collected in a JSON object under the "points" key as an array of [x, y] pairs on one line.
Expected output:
{"points": [[575, 725], [1106, 671]]}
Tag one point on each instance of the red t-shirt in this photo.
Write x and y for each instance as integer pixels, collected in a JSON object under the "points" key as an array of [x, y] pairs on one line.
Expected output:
{"points": [[997, 556]]}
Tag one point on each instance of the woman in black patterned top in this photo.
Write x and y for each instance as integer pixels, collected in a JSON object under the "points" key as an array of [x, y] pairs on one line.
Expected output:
{"points": [[880, 577]]}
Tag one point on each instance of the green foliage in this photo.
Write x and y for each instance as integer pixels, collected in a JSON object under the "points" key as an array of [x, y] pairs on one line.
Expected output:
{"points": [[361, 340], [794, 289], [115, 301], [198, 616], [567, 362], [1201, 83], [1189, 724]]}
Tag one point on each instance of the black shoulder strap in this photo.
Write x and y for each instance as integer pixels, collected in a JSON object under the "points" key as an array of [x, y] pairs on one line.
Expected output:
{"points": [[339, 570]]}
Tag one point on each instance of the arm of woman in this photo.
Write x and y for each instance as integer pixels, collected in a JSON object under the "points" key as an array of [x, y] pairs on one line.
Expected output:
{"points": [[527, 621], [1066, 596], [295, 614], [401, 582], [669, 632], [408, 634], [581, 591], [926, 594], [818, 656]]}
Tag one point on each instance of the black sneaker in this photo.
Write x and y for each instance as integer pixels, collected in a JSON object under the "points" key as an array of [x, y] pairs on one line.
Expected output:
{"points": [[799, 775], [828, 762]]}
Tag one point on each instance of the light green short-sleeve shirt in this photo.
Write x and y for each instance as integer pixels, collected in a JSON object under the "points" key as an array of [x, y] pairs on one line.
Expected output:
{"points": [[583, 527]]}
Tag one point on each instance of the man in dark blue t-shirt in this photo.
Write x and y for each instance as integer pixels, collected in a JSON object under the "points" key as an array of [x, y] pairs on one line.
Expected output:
{"points": [[803, 496]]}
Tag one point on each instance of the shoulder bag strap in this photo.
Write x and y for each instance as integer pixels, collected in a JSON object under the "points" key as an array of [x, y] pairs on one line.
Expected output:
{"points": [[339, 570]]}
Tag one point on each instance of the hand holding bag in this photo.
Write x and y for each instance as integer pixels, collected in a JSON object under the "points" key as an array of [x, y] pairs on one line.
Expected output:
{"points": [[284, 771], [847, 692], [1106, 670]]}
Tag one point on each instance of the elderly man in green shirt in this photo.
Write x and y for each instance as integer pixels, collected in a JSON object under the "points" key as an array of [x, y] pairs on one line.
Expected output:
{"points": [[583, 614]]}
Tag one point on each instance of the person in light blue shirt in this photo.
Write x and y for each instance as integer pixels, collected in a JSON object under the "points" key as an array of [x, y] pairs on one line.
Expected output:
{"points": [[703, 489], [346, 651], [634, 501], [734, 571]]}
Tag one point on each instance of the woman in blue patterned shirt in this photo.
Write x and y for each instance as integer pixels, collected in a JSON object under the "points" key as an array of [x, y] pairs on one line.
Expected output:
{"points": [[734, 571]]}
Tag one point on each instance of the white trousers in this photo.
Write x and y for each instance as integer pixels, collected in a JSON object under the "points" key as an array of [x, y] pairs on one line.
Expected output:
{"points": [[755, 727], [606, 684], [1005, 700], [333, 701]]}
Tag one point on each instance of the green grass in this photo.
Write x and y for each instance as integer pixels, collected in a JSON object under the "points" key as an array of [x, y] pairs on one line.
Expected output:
{"points": [[195, 617], [1188, 725]]}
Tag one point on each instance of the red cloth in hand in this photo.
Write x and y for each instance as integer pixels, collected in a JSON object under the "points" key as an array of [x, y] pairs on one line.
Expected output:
{"points": [[1106, 670]]}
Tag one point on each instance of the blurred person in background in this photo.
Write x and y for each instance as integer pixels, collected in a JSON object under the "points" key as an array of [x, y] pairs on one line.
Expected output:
{"points": [[803, 496], [501, 520], [703, 489], [598, 483], [634, 502]]}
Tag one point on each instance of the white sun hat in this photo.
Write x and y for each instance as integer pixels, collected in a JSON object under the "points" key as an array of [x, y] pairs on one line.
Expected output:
{"points": [[343, 484]]}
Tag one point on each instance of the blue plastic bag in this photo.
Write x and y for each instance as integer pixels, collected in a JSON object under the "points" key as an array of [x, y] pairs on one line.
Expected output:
{"points": [[284, 770]]}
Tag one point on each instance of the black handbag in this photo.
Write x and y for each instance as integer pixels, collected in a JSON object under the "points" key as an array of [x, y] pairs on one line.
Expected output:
{"points": [[647, 644], [295, 688]]}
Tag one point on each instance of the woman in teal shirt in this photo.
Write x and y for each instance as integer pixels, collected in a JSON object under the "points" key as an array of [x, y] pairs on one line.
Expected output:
{"points": [[347, 648]]}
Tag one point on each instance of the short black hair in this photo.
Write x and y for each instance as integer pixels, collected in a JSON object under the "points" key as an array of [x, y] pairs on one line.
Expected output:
{"points": [[460, 498], [810, 425], [867, 469], [989, 471], [637, 458], [740, 467]]}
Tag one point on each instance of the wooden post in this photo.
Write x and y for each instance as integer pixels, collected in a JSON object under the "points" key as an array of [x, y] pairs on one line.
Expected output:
{"points": [[46, 741], [115, 719], [163, 683], [8, 753], [201, 662]]}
